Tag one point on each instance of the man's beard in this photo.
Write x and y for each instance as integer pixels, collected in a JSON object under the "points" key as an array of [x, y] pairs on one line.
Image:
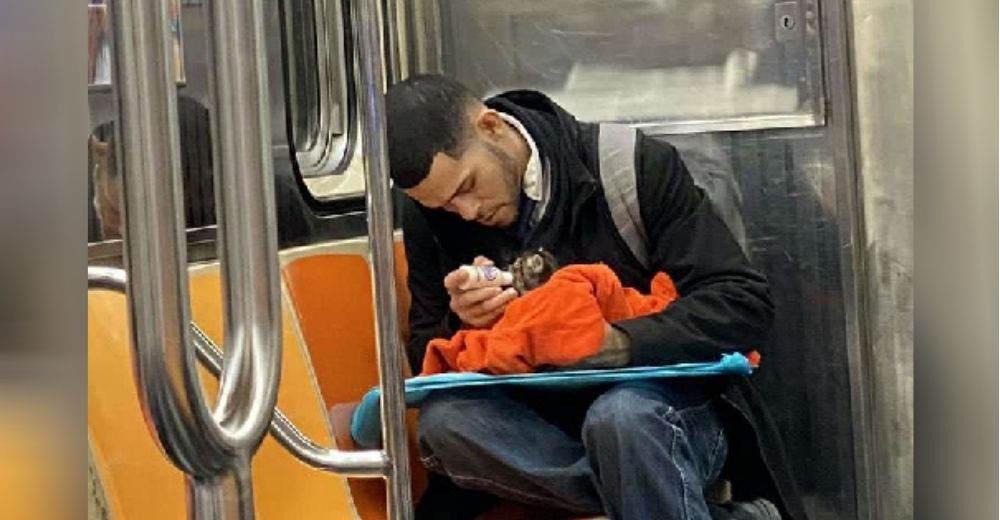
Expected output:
{"points": [[511, 177]]}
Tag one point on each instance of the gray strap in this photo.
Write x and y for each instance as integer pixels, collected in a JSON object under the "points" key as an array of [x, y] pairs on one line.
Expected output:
{"points": [[616, 150]]}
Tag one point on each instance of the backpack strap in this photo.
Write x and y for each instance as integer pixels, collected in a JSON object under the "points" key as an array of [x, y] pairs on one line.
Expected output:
{"points": [[617, 170]]}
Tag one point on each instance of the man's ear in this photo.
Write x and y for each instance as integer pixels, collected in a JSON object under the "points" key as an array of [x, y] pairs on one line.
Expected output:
{"points": [[489, 124]]}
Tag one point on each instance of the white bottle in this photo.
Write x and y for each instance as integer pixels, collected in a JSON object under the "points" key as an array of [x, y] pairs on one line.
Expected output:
{"points": [[485, 276]]}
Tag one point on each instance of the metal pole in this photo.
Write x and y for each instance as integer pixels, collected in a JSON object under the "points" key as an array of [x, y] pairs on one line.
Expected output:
{"points": [[213, 448], [394, 23], [380, 232], [219, 497], [247, 222], [152, 192]]}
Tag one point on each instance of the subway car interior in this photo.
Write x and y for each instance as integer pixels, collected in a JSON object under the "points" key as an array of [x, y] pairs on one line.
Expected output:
{"points": [[235, 323]]}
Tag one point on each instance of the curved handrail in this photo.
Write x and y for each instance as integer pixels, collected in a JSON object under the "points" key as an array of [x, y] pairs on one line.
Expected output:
{"points": [[363, 463], [247, 223], [212, 446], [169, 389]]}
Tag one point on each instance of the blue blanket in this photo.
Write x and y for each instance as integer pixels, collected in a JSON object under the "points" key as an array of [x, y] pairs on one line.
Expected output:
{"points": [[366, 425]]}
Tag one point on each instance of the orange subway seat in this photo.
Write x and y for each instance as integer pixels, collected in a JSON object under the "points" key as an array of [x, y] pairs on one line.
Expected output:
{"points": [[331, 294]]}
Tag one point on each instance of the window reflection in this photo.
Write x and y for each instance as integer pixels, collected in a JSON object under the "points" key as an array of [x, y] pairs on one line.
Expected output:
{"points": [[714, 64], [320, 96], [105, 184], [98, 44], [99, 32]]}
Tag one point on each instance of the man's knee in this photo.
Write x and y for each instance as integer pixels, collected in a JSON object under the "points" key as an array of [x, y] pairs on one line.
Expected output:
{"points": [[448, 419], [621, 415], [438, 415]]}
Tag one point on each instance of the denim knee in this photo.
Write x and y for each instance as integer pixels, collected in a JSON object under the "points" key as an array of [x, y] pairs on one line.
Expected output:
{"points": [[439, 416], [619, 415], [631, 419], [448, 420]]}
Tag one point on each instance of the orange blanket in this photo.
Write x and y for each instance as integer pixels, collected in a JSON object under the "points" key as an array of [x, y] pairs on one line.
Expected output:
{"points": [[559, 323]]}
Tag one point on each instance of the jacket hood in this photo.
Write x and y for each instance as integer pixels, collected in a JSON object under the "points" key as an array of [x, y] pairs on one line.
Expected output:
{"points": [[563, 142]]}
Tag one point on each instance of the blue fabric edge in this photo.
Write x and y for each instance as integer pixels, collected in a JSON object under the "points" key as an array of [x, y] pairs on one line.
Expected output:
{"points": [[366, 426]]}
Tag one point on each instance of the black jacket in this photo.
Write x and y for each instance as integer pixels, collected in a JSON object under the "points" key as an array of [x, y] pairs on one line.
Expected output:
{"points": [[724, 306]]}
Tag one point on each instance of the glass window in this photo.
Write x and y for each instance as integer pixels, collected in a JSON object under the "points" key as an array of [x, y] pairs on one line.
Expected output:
{"points": [[320, 98], [674, 65], [99, 43], [104, 208], [104, 180]]}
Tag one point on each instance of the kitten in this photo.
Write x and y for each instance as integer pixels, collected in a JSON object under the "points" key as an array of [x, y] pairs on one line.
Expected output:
{"points": [[532, 269]]}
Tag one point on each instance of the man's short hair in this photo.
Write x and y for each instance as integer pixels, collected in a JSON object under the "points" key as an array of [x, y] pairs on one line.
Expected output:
{"points": [[425, 114]]}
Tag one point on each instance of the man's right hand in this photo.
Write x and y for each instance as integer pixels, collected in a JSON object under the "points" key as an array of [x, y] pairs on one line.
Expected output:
{"points": [[478, 307]]}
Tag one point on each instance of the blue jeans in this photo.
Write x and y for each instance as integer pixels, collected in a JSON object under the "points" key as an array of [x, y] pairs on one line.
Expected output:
{"points": [[635, 451]]}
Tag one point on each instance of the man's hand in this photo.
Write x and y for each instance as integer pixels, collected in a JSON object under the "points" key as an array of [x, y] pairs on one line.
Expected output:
{"points": [[615, 352], [478, 307]]}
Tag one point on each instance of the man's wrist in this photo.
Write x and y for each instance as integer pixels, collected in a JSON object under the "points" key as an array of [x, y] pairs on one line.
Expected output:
{"points": [[617, 349], [615, 352]]}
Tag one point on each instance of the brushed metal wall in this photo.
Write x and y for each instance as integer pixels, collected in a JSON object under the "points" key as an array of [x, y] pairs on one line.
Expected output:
{"points": [[790, 187], [883, 71]]}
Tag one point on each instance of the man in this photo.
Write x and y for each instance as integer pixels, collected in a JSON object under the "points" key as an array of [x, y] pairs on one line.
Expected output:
{"points": [[485, 181]]}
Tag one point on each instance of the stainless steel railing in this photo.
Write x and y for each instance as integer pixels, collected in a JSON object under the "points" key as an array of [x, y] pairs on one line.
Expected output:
{"points": [[214, 446], [367, 463], [371, 77]]}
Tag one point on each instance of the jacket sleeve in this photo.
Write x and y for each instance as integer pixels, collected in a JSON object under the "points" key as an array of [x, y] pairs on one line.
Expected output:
{"points": [[725, 304], [430, 316]]}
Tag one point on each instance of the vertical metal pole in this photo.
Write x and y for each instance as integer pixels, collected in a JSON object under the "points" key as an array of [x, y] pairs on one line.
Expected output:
{"points": [[380, 232], [218, 498], [394, 24], [156, 260], [153, 196], [213, 449], [247, 221]]}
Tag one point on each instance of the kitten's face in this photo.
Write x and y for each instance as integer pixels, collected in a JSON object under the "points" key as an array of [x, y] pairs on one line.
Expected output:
{"points": [[531, 270]]}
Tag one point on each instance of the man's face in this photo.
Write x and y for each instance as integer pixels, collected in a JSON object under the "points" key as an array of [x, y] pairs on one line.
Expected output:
{"points": [[482, 185]]}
